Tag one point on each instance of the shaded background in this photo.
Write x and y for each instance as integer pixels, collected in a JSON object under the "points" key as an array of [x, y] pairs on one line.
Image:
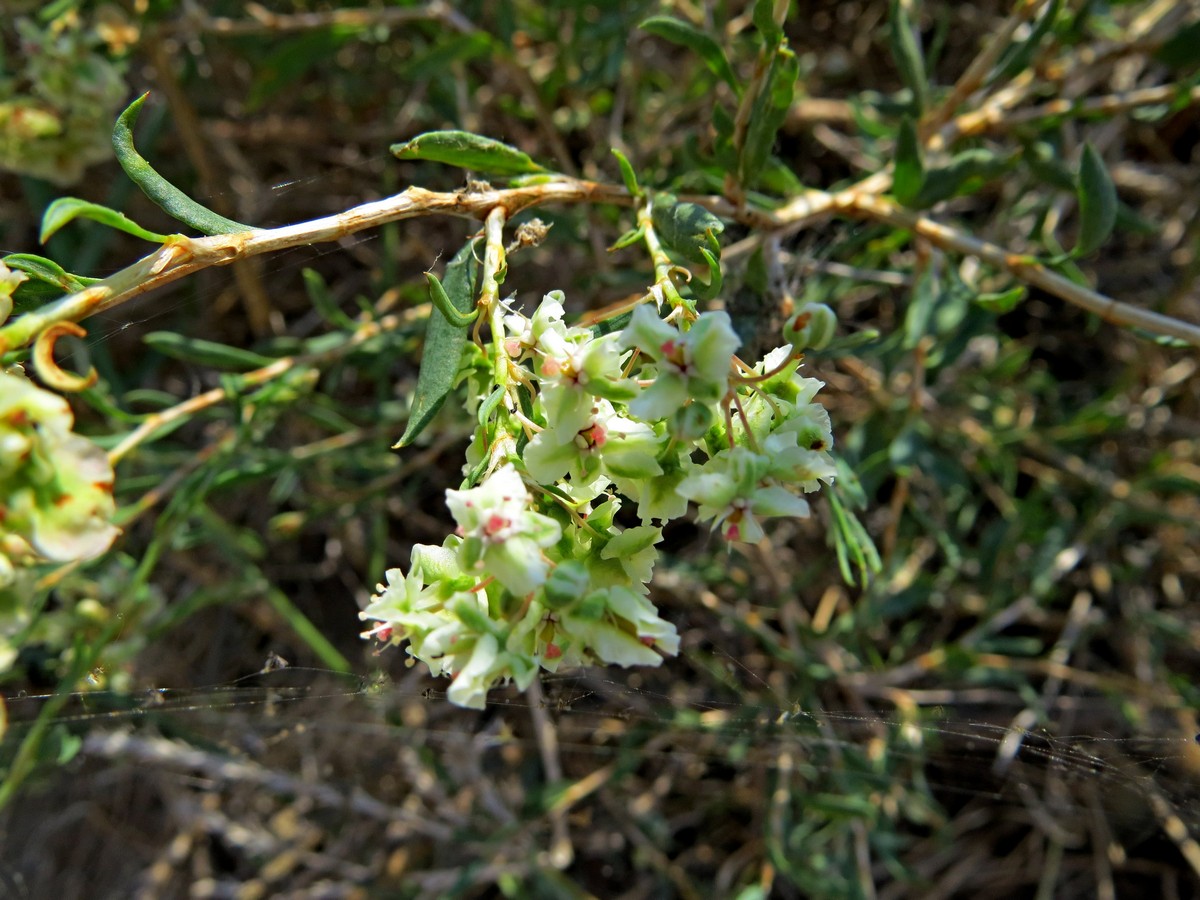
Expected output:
{"points": [[1005, 709]]}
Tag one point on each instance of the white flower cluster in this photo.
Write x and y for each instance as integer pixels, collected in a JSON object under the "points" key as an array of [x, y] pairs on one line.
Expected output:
{"points": [[56, 499], [538, 575]]}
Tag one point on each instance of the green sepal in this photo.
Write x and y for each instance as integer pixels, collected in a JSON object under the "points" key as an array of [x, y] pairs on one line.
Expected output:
{"points": [[165, 195], [65, 209], [468, 151], [444, 342]]}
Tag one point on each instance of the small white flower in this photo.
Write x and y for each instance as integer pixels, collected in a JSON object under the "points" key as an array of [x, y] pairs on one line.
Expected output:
{"points": [[502, 535]]}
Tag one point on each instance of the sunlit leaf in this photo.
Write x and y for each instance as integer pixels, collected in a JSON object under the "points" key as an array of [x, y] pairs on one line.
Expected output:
{"points": [[67, 209], [169, 198], [468, 151]]}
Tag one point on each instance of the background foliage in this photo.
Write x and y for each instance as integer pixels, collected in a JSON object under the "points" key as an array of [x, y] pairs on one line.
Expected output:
{"points": [[1007, 706]]}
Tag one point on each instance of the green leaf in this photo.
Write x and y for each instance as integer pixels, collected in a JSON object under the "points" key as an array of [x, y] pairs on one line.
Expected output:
{"points": [[766, 22], [628, 239], [468, 151], [906, 50], [444, 342], [1017, 57], [689, 36], [768, 114], [1097, 202], [1182, 49], [964, 174], [851, 541], [713, 287], [845, 345], [323, 300], [1004, 301], [205, 353], [64, 209], [609, 326], [48, 271], [439, 298], [169, 198], [685, 227], [909, 173], [627, 174], [918, 320]]}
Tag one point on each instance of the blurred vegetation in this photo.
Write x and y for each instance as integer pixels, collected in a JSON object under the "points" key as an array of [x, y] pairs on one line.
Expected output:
{"points": [[1005, 705]]}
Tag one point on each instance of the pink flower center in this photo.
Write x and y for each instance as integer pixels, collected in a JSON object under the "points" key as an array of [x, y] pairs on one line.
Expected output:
{"points": [[495, 524]]}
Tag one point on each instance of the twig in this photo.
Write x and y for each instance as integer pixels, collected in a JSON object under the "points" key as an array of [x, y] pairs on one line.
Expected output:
{"points": [[183, 256], [1023, 267], [361, 335], [980, 66]]}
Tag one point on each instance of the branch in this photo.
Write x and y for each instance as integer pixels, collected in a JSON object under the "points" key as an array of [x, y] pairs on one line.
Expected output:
{"points": [[1023, 267], [182, 256]]}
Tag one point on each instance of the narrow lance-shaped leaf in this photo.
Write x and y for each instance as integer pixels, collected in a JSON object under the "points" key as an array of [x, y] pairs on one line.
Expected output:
{"points": [[444, 343], [169, 198], [715, 282], [468, 151], [1017, 57], [627, 174], [769, 16], [1097, 202], [65, 209], [906, 49], [965, 173], [768, 115], [918, 319], [48, 271], [323, 300], [205, 353], [1003, 301], [909, 171], [689, 36]]}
